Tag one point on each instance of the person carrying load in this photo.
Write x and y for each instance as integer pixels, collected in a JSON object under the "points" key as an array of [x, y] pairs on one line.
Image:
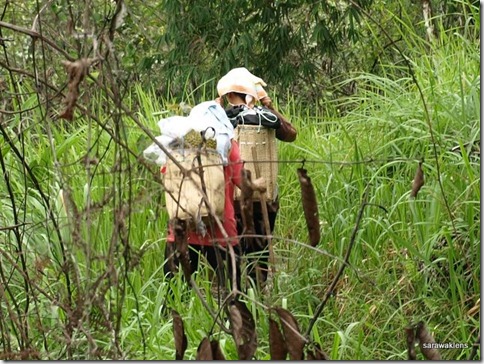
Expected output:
{"points": [[203, 144], [257, 128]]}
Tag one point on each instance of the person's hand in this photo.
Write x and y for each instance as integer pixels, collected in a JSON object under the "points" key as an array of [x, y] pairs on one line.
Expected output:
{"points": [[266, 101], [261, 93]]}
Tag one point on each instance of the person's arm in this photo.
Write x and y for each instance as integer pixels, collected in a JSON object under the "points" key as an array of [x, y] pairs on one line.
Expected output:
{"points": [[286, 132]]}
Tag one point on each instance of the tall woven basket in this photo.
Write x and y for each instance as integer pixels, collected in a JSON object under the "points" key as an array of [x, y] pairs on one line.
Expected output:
{"points": [[182, 194], [263, 141]]}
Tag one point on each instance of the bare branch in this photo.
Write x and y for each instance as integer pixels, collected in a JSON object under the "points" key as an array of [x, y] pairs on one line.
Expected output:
{"points": [[36, 35], [333, 284]]}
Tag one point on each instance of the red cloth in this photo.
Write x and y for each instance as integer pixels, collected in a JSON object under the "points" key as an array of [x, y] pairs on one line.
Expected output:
{"points": [[232, 173]]}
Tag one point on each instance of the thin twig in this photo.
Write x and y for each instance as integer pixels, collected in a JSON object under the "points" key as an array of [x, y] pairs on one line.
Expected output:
{"points": [[36, 35], [214, 315], [476, 346], [13, 227], [333, 284]]}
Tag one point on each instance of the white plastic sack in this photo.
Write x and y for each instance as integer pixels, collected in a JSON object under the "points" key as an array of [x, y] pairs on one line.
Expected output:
{"points": [[203, 116], [154, 153], [174, 126], [171, 128], [211, 114]]}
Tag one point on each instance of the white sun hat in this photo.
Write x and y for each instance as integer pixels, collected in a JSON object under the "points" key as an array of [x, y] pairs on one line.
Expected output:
{"points": [[241, 80]]}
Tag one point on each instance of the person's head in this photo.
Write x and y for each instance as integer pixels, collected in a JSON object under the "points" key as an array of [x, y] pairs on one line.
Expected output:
{"points": [[239, 98], [239, 86]]}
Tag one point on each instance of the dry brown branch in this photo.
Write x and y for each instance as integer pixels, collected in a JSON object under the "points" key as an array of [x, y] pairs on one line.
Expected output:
{"points": [[13, 227], [36, 35], [476, 346], [51, 298], [329, 291]]}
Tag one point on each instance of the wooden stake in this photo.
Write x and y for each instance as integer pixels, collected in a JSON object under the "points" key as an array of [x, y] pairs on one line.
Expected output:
{"points": [[265, 214]]}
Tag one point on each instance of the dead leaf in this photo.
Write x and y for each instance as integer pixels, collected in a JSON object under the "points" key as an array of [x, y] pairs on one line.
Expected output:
{"points": [[181, 342], [243, 330], [76, 72], [277, 344], [181, 244], [310, 206], [418, 181], [294, 340], [426, 341], [216, 351], [475, 309], [209, 350], [410, 331], [204, 351]]}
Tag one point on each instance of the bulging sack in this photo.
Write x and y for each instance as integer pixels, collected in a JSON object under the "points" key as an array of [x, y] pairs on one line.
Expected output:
{"points": [[182, 193]]}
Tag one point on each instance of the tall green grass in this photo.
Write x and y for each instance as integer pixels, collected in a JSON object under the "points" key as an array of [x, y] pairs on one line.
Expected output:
{"points": [[414, 260]]}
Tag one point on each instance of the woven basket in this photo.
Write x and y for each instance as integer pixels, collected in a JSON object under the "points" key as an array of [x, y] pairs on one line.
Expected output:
{"points": [[263, 141], [185, 189]]}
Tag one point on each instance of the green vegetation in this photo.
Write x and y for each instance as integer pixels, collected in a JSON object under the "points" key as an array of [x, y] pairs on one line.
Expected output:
{"points": [[83, 227]]}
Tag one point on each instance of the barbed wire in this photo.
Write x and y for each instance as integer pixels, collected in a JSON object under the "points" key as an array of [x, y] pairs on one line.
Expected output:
{"points": [[322, 161]]}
